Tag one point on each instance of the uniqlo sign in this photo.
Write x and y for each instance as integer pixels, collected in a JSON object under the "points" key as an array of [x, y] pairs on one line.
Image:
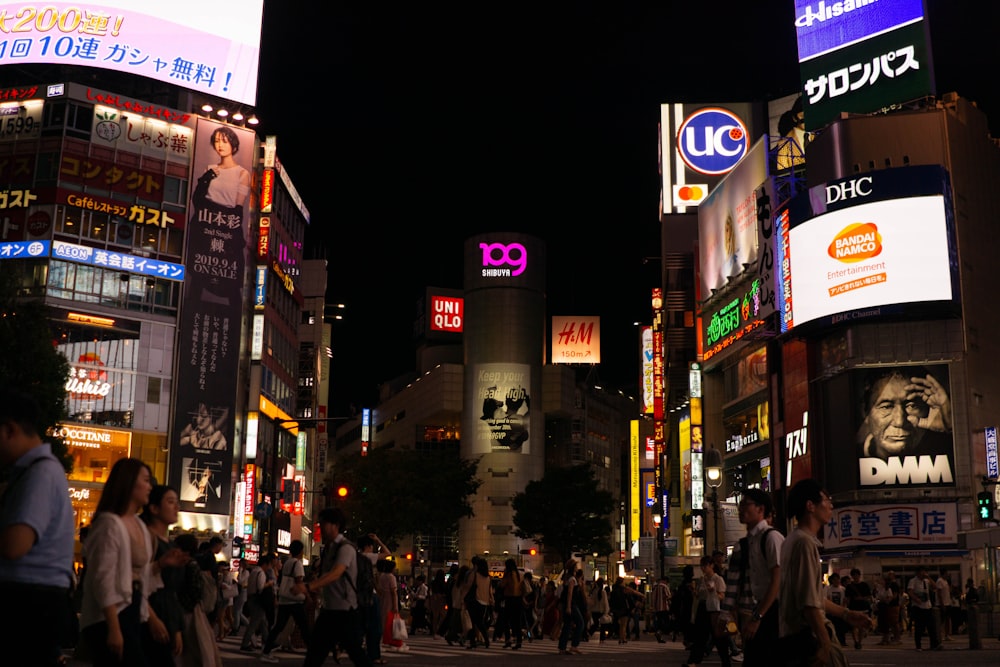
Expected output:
{"points": [[447, 313]]}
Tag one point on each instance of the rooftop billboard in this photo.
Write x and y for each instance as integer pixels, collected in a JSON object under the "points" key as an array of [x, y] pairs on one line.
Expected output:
{"points": [[699, 144], [861, 57], [211, 48]]}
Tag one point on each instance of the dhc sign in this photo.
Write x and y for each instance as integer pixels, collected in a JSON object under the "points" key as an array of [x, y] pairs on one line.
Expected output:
{"points": [[712, 140]]}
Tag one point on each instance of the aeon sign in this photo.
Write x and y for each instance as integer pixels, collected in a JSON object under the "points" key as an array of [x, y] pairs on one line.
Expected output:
{"points": [[712, 140], [503, 261]]}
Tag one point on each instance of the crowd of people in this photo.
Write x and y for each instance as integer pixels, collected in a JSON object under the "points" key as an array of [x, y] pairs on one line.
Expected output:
{"points": [[145, 597]]}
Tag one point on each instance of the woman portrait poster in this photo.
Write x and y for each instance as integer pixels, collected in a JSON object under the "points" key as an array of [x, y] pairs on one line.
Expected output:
{"points": [[216, 254]]}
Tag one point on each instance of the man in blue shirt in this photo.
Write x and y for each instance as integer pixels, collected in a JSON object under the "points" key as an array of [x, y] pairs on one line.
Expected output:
{"points": [[36, 539]]}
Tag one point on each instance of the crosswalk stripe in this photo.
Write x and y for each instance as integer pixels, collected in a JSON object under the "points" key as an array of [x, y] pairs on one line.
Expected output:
{"points": [[427, 647]]}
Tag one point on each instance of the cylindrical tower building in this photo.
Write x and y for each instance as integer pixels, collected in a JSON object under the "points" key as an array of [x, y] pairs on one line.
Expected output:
{"points": [[504, 354]]}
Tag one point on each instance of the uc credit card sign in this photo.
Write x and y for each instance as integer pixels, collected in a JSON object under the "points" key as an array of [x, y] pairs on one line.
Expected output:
{"points": [[712, 140]]}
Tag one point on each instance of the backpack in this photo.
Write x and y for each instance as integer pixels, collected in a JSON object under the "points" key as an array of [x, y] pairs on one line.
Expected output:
{"points": [[365, 588], [745, 595]]}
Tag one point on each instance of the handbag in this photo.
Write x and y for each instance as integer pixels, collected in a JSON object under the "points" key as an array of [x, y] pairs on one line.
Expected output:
{"points": [[606, 619], [399, 628]]}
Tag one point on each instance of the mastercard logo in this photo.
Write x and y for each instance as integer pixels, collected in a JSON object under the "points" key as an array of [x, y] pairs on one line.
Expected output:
{"points": [[690, 195], [856, 242]]}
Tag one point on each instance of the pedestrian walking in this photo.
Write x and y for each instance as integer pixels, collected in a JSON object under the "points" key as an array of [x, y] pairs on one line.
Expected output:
{"points": [[260, 598], [291, 600], [710, 592], [36, 540], [512, 586], [804, 631], [119, 550], [479, 601], [167, 576], [339, 623], [661, 607], [759, 556], [572, 606]]}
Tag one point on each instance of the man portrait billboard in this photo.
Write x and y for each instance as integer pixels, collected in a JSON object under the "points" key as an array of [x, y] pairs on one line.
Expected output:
{"points": [[904, 435]]}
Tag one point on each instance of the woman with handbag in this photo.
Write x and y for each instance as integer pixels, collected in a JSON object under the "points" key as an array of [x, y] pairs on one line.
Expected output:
{"points": [[710, 593], [388, 594]]}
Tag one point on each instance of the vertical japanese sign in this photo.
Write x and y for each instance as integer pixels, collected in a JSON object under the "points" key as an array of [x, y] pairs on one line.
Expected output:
{"points": [[201, 440], [992, 468]]}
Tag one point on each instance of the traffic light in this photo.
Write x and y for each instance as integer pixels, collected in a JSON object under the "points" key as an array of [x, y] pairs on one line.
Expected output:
{"points": [[985, 505], [342, 491], [532, 552]]}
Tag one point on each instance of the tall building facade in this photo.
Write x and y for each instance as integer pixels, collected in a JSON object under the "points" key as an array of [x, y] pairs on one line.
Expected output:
{"points": [[504, 354]]}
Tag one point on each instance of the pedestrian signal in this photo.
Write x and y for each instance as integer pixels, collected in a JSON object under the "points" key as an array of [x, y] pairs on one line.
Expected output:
{"points": [[985, 505]]}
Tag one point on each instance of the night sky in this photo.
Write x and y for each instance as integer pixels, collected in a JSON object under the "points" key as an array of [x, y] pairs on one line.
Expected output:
{"points": [[408, 128]]}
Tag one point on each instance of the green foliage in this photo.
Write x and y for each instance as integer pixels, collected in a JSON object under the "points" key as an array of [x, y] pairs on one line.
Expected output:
{"points": [[29, 360], [396, 493], [565, 512]]}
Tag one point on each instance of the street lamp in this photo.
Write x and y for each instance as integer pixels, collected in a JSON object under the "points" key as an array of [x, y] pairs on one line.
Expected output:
{"points": [[713, 477]]}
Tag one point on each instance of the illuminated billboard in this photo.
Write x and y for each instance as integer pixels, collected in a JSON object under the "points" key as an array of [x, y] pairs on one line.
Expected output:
{"points": [[903, 421], [217, 250], [442, 315], [504, 424], [727, 222], [862, 246], [576, 340], [210, 48], [699, 144], [860, 57]]}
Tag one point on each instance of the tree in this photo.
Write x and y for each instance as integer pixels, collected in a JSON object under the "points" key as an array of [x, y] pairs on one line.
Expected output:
{"points": [[29, 361], [396, 493], [565, 512]]}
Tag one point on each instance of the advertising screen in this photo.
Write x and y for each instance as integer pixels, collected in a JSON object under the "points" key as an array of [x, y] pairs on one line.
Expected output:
{"points": [[860, 56], [505, 422], [213, 48], [903, 424], [862, 245], [727, 221]]}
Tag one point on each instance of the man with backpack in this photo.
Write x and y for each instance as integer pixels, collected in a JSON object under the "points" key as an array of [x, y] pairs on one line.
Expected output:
{"points": [[755, 578], [339, 622]]}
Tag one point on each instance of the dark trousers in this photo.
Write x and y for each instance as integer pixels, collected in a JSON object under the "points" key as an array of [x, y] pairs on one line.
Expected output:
{"points": [[705, 630], [477, 612], [759, 651], [132, 654], [371, 619], [923, 620], [31, 622], [335, 628], [572, 629], [286, 611], [513, 611]]}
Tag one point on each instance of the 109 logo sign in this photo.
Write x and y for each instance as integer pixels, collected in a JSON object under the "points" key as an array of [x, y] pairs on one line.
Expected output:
{"points": [[503, 260]]}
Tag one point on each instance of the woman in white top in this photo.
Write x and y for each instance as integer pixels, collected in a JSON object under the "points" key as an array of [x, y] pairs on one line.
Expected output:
{"points": [[711, 591], [118, 551], [226, 185]]}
